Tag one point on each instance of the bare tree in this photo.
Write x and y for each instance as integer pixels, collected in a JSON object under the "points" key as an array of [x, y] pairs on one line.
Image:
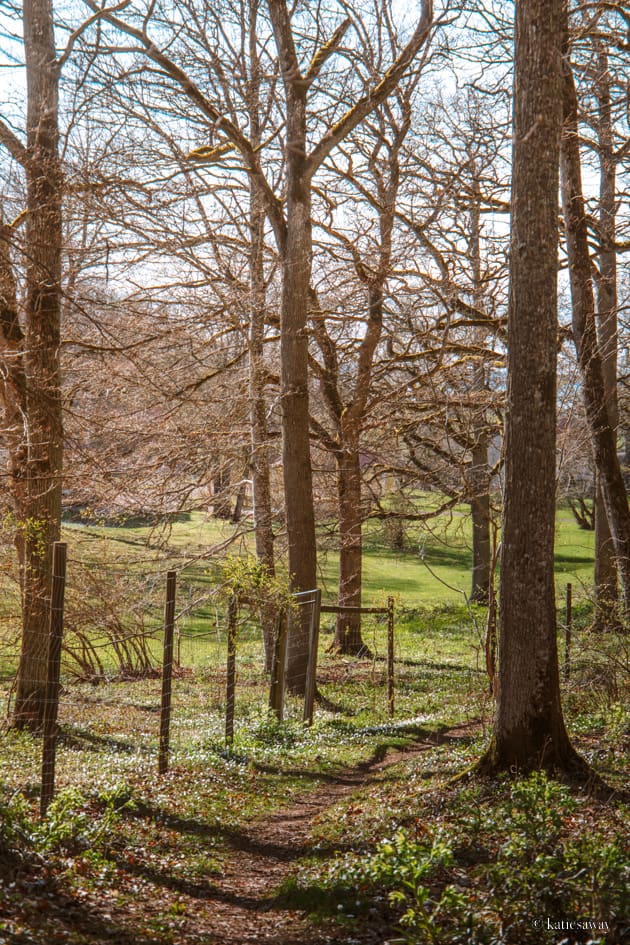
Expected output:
{"points": [[40, 463], [13, 390], [599, 66], [290, 220], [601, 420]]}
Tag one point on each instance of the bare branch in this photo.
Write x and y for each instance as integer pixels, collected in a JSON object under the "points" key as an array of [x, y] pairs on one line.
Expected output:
{"points": [[326, 51], [361, 109], [74, 36], [12, 143]]}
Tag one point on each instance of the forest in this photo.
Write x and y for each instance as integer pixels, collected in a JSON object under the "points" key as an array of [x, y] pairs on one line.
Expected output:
{"points": [[314, 459]]}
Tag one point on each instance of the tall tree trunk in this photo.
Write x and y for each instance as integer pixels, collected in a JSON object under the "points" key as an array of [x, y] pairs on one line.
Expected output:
{"points": [[478, 474], [480, 514], [43, 396], [296, 278], [348, 629], [261, 482], [296, 456], [241, 496], [529, 730], [13, 392], [221, 497], [606, 589], [602, 432]]}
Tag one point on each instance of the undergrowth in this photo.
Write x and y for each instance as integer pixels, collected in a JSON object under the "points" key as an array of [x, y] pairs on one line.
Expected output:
{"points": [[509, 864]]}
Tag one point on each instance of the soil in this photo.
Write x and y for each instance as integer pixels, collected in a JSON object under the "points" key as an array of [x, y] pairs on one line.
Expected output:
{"points": [[238, 907]]}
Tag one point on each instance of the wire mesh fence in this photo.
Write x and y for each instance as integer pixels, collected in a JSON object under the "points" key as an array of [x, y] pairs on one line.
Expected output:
{"points": [[161, 665], [155, 663]]}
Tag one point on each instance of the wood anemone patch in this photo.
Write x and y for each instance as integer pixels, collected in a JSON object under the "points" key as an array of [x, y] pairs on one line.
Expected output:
{"points": [[238, 906]]}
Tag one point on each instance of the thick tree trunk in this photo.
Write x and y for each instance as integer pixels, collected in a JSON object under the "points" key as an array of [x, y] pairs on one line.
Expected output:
{"points": [[529, 731], [296, 278], [348, 638], [602, 431], [606, 587], [296, 455], [43, 397], [13, 392]]}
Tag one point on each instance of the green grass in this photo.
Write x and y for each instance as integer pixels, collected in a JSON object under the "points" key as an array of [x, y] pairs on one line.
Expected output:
{"points": [[123, 569], [178, 829], [434, 567]]}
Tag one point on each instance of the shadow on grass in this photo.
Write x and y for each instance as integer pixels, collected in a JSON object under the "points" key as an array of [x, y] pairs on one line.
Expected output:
{"points": [[404, 740], [81, 740], [325, 901]]}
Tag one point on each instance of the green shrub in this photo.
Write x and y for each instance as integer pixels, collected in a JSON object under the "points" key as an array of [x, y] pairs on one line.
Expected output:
{"points": [[496, 870], [15, 824], [70, 824]]}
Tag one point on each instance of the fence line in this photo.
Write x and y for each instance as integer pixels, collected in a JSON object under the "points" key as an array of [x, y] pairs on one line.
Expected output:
{"points": [[167, 672], [172, 637]]}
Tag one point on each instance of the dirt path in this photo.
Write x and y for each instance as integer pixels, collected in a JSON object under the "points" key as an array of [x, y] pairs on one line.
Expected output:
{"points": [[237, 907], [242, 908]]}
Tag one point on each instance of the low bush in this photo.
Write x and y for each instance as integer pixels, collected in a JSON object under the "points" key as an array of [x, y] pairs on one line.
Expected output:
{"points": [[511, 869]]}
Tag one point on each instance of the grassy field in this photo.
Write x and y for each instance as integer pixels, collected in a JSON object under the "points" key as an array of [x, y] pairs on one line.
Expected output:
{"points": [[116, 578], [433, 567], [413, 854]]}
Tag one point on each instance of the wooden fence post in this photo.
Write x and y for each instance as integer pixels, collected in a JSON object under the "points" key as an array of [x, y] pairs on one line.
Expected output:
{"points": [[276, 690], [311, 671], [390, 655], [51, 707], [568, 631], [167, 672], [230, 697]]}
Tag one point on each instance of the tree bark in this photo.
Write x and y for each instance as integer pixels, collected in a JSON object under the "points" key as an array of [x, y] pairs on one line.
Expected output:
{"points": [[221, 496], [261, 482], [348, 638], [296, 278], [529, 730], [606, 586], [479, 471], [43, 395], [13, 391], [480, 515], [601, 428]]}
